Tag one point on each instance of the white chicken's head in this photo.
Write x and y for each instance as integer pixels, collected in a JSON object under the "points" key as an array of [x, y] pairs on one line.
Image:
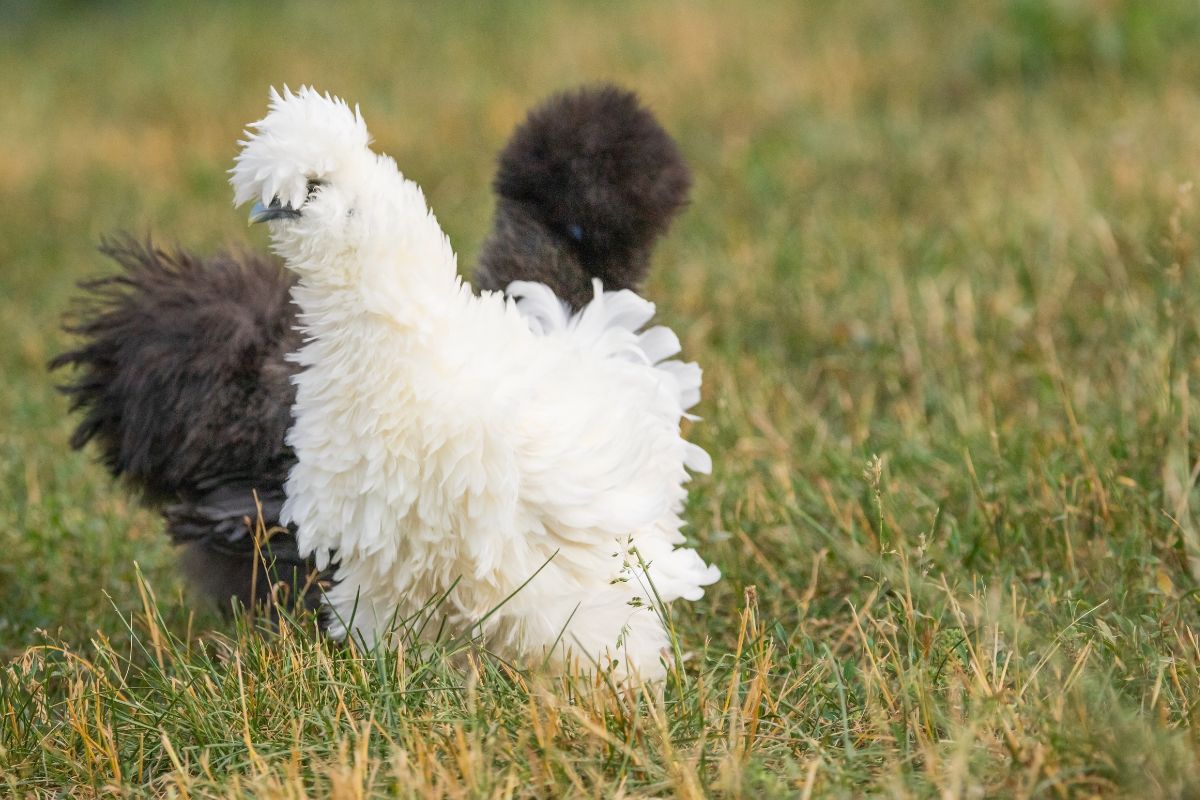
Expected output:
{"points": [[302, 160], [334, 205]]}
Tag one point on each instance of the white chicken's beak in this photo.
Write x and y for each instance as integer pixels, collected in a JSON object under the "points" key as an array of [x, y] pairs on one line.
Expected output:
{"points": [[276, 210]]}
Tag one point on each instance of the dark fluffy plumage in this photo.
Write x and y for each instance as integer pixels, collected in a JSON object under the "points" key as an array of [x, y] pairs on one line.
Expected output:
{"points": [[584, 188], [181, 370], [182, 378]]}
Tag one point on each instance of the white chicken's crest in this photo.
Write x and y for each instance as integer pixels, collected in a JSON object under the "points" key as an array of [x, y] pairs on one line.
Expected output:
{"points": [[305, 136], [523, 463]]}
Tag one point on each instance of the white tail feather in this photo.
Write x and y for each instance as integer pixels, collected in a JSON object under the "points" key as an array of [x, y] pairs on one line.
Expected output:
{"points": [[610, 324]]}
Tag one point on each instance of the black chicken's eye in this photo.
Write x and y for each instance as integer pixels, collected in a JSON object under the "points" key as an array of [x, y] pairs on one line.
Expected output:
{"points": [[575, 232]]}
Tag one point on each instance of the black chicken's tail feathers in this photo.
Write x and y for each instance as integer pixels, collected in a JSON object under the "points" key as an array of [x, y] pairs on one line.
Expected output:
{"points": [[180, 372]]}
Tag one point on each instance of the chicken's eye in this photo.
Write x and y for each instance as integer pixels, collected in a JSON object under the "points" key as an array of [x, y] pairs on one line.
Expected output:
{"points": [[313, 185], [575, 232]]}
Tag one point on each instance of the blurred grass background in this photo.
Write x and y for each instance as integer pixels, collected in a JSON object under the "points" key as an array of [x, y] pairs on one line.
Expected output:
{"points": [[941, 271]]}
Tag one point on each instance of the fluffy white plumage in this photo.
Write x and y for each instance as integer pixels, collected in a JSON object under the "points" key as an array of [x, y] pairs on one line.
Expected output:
{"points": [[474, 446]]}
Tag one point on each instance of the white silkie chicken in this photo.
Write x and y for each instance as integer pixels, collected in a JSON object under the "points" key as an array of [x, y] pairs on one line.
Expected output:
{"points": [[524, 463]]}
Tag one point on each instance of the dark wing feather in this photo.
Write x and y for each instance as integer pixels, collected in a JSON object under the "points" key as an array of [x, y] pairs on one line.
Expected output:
{"points": [[236, 547], [229, 519]]}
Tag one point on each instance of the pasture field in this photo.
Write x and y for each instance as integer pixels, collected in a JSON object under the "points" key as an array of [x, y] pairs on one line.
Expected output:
{"points": [[941, 270]]}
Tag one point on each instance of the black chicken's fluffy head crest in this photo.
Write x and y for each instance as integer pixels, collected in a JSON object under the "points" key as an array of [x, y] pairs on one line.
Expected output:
{"points": [[596, 167]]}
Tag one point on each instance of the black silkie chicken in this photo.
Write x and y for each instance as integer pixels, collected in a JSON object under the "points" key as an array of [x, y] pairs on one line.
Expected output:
{"points": [[181, 371]]}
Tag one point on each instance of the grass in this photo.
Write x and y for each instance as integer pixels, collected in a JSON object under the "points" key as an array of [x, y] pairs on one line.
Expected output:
{"points": [[941, 271]]}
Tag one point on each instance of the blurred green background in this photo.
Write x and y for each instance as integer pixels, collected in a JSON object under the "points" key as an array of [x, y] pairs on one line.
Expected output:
{"points": [[956, 235]]}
